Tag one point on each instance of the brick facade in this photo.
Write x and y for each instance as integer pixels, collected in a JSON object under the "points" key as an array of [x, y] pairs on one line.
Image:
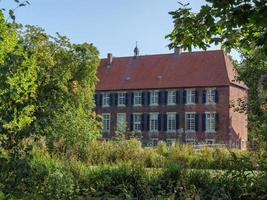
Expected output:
{"points": [[230, 126]]}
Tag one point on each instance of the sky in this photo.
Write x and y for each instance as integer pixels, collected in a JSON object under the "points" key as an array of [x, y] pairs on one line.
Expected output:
{"points": [[113, 26]]}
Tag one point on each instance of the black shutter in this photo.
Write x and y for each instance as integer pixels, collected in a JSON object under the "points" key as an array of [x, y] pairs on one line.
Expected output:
{"points": [[177, 97], [143, 98], [131, 122], [177, 122], [203, 122], [184, 96], [147, 98], [131, 98], [165, 97], [143, 122], [161, 97], [204, 93], [100, 99], [127, 99], [147, 122], [196, 122], [160, 122], [111, 99], [164, 122], [216, 96], [196, 96], [216, 121], [115, 99]]}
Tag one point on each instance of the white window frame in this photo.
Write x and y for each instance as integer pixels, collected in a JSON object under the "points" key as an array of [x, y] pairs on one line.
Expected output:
{"points": [[153, 122], [171, 97], [121, 99], [171, 127], [210, 122], [191, 96], [192, 123], [137, 95], [106, 122], [137, 123], [121, 125], [154, 97], [106, 99], [210, 95]]}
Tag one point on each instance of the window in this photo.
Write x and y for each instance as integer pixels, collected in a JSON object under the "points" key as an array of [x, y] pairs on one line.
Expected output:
{"points": [[121, 99], [171, 97], [154, 98], [210, 121], [137, 122], [121, 122], [171, 122], [190, 122], [137, 98], [106, 100], [190, 96], [106, 122], [210, 96], [153, 122]]}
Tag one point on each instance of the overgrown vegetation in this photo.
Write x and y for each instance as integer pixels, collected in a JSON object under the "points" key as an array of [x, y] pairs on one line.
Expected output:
{"points": [[125, 170], [48, 131]]}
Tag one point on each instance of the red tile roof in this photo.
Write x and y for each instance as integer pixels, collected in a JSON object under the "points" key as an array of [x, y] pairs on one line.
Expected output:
{"points": [[194, 69]]}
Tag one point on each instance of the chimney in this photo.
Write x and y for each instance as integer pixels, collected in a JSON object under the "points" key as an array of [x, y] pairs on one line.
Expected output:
{"points": [[178, 50], [110, 58]]}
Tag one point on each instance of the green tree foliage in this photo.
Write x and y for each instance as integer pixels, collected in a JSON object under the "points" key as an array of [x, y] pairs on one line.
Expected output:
{"points": [[46, 87], [17, 89], [235, 24], [66, 82]]}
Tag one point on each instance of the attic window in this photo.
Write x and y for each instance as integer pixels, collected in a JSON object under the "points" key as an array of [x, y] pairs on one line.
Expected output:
{"points": [[128, 78]]}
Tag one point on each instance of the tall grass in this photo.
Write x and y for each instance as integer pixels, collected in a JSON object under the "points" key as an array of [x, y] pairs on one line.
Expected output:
{"points": [[125, 170]]}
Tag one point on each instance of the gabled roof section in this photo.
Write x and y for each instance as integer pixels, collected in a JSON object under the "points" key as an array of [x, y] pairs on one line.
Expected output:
{"points": [[194, 69], [232, 73]]}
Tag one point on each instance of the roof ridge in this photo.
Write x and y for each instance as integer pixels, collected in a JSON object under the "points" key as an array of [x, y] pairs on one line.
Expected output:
{"points": [[168, 54]]}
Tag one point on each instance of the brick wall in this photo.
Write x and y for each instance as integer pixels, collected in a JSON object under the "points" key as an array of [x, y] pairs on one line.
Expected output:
{"points": [[222, 108], [238, 120]]}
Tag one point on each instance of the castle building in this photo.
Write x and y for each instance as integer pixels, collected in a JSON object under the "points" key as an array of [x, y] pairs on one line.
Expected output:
{"points": [[182, 96]]}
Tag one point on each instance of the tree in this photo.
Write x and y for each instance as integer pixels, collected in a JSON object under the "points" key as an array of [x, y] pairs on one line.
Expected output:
{"points": [[66, 80], [235, 24], [17, 90]]}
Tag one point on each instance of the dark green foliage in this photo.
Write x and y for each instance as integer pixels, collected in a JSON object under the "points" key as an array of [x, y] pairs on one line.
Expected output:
{"points": [[66, 82], [46, 177], [17, 91], [238, 25]]}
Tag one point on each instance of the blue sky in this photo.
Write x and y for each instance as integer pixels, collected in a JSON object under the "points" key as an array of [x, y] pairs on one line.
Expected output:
{"points": [[111, 25]]}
